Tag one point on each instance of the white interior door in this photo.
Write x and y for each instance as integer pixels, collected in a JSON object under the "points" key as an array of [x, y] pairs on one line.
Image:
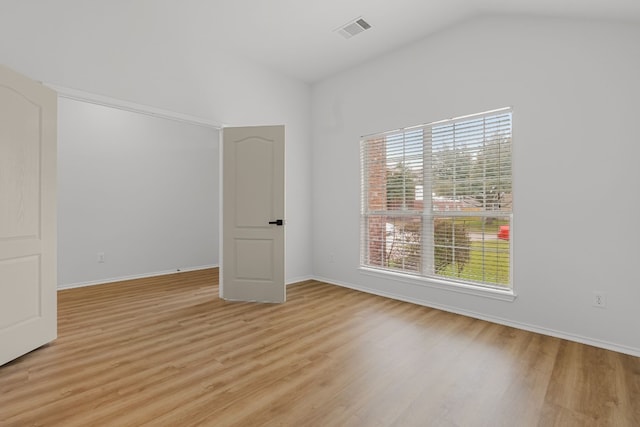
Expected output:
{"points": [[27, 215], [253, 214]]}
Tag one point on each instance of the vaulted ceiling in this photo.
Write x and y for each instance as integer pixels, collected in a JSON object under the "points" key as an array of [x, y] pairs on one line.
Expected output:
{"points": [[294, 37]]}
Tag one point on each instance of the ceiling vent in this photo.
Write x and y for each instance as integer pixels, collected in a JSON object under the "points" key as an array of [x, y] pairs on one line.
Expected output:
{"points": [[353, 28]]}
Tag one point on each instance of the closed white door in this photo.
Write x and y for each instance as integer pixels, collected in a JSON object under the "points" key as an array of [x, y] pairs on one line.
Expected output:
{"points": [[27, 215], [253, 214]]}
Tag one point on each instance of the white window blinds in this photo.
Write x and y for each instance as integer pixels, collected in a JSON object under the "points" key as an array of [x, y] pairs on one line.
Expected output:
{"points": [[436, 200]]}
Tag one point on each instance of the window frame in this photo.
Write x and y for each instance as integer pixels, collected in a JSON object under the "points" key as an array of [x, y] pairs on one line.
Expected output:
{"points": [[427, 214]]}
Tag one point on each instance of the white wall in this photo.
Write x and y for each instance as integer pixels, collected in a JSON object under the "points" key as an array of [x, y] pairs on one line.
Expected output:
{"points": [[96, 49], [142, 190], [575, 89]]}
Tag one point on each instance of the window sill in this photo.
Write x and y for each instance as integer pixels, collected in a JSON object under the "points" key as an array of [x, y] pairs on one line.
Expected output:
{"points": [[485, 292]]}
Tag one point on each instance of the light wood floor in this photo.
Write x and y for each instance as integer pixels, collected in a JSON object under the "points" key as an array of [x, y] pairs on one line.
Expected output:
{"points": [[167, 352]]}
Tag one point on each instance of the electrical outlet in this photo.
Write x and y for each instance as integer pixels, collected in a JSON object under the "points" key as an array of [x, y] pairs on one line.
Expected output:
{"points": [[600, 299], [100, 257]]}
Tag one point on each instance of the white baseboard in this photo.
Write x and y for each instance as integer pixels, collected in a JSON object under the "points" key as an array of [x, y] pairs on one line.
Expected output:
{"points": [[160, 273], [298, 280], [494, 319], [133, 277]]}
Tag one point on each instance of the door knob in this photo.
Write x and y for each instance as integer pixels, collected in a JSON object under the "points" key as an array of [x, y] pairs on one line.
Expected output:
{"points": [[277, 222]]}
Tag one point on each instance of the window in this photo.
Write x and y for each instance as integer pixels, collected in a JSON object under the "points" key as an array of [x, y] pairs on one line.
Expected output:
{"points": [[437, 200]]}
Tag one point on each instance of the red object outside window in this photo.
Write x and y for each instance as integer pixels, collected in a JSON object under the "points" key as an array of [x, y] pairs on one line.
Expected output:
{"points": [[503, 233]]}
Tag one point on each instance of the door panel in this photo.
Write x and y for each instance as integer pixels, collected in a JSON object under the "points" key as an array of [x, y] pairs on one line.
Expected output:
{"points": [[27, 215], [253, 196], [24, 299], [19, 166], [254, 182], [254, 259]]}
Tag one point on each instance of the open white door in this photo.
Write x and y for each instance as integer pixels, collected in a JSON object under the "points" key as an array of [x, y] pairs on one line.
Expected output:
{"points": [[253, 214], [27, 215]]}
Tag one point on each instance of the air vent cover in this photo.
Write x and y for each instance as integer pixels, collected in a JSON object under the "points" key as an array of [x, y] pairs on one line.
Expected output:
{"points": [[353, 28]]}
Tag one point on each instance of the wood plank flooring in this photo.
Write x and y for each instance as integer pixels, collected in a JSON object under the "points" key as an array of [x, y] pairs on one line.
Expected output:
{"points": [[166, 351]]}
